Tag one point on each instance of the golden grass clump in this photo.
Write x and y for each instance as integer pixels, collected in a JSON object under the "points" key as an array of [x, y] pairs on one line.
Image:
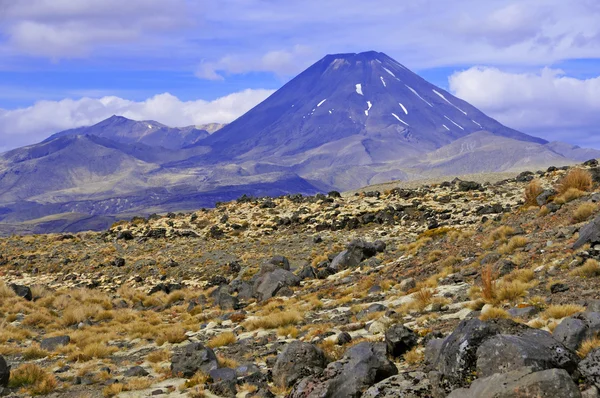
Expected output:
{"points": [[510, 291], [222, 339], [561, 311], [423, 297], [158, 356], [34, 352], [589, 269], [532, 191], [584, 211], [414, 356], [514, 243], [576, 178], [570, 195], [6, 292], [588, 345], [33, 379], [494, 313], [288, 331], [171, 335], [274, 320], [524, 275]]}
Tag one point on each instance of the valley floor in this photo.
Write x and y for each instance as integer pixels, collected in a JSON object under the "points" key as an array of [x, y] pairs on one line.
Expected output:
{"points": [[214, 303]]}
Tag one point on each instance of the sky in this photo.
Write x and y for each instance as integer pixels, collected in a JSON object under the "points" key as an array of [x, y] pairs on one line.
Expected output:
{"points": [[534, 65]]}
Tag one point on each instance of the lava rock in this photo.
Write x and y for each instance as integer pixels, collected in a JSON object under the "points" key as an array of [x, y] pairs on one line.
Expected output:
{"points": [[403, 385], [572, 331], [222, 374], [399, 340], [296, 361], [22, 291], [51, 343], [545, 196], [522, 383], [192, 358], [307, 272], [590, 367], [280, 261], [465, 186], [343, 338], [4, 372], [534, 348], [136, 371], [362, 366], [590, 233], [268, 284]]}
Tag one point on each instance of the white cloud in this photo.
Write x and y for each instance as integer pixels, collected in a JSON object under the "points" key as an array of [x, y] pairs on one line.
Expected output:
{"points": [[25, 126], [281, 62], [66, 29], [546, 103]]}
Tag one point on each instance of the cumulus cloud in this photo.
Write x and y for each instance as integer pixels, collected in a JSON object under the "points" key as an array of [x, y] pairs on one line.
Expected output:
{"points": [[546, 103], [281, 62], [25, 126]]}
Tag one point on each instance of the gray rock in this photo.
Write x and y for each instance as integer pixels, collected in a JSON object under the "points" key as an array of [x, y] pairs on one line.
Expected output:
{"points": [[571, 332], [590, 233], [522, 383], [343, 338], [399, 340], [346, 259], [4, 372], [465, 186], [590, 367], [591, 392], [403, 385], [222, 374], [524, 312], [280, 261], [22, 291], [534, 348], [408, 284], [452, 364], [224, 388], [226, 301], [307, 272], [192, 358], [267, 285], [51, 343], [545, 196], [296, 361], [136, 371], [362, 366]]}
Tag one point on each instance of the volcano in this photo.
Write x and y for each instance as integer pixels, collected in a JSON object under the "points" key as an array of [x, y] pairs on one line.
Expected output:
{"points": [[369, 96]]}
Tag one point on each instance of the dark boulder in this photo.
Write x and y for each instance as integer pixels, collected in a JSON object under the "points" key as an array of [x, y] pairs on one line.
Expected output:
{"points": [[296, 361], [4, 372], [533, 348], [399, 340], [572, 331], [362, 366], [51, 343], [590, 233], [193, 358], [590, 367], [307, 272], [281, 262], [465, 186], [270, 282], [545, 196], [522, 383], [403, 385], [136, 371], [22, 291]]}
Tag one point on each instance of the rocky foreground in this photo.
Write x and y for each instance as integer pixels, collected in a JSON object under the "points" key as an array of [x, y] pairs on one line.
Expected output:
{"points": [[457, 289]]}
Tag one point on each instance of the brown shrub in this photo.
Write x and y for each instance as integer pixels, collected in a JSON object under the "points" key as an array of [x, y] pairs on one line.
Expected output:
{"points": [[576, 178], [532, 191]]}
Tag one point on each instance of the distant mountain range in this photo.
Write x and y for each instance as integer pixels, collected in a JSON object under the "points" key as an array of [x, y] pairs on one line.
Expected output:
{"points": [[348, 121]]}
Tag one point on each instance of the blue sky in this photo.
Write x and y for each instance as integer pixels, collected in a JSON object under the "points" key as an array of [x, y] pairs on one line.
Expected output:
{"points": [[532, 64]]}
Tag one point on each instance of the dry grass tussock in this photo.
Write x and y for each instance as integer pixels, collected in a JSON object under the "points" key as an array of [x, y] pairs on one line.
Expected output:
{"points": [[588, 345], [576, 178], [222, 339], [532, 191], [584, 211], [570, 195], [274, 320], [33, 379], [561, 311], [589, 269], [494, 313], [513, 244]]}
